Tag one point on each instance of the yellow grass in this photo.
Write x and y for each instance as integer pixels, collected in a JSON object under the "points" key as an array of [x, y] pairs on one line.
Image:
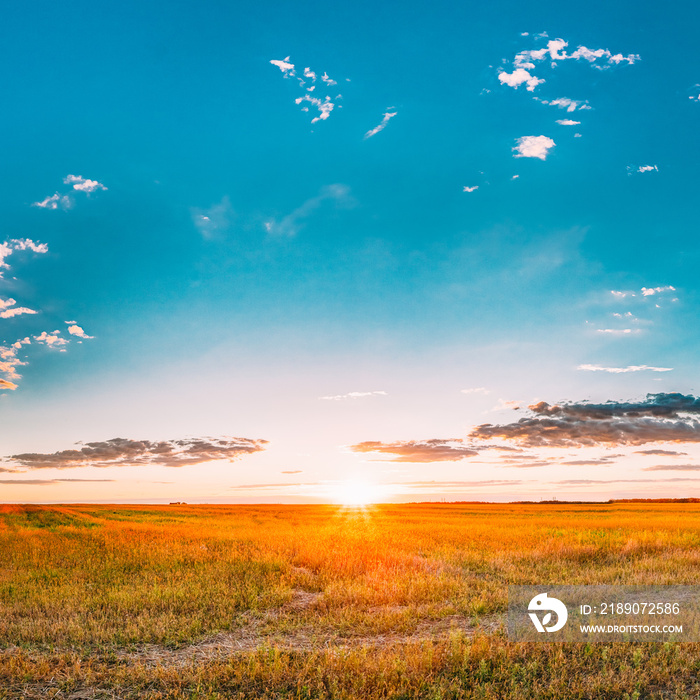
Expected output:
{"points": [[316, 601]]}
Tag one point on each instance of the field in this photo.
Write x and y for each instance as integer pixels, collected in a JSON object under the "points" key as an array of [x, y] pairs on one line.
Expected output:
{"points": [[392, 601]]}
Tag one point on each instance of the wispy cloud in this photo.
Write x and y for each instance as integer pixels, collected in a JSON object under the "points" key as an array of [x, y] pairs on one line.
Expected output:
{"points": [[567, 122], [566, 103], [635, 169], [291, 224], [661, 417], [353, 395], [624, 370], [663, 453], [476, 390], [418, 451], [55, 201], [213, 221], [533, 147], [47, 482], [673, 468], [64, 201], [121, 452], [619, 331], [380, 127]]}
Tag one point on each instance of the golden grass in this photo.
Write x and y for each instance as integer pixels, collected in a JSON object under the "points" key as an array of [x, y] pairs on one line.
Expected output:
{"points": [[315, 601]]}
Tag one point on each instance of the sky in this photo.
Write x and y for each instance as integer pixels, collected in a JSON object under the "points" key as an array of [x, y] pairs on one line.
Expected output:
{"points": [[351, 252]]}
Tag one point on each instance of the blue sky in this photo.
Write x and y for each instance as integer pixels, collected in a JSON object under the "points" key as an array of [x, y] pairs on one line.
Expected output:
{"points": [[237, 269]]}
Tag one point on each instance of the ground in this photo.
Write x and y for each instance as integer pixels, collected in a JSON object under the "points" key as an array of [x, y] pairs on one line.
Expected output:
{"points": [[391, 601]]}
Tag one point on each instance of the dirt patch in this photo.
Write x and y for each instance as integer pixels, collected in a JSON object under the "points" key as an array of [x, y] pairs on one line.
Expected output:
{"points": [[251, 637]]}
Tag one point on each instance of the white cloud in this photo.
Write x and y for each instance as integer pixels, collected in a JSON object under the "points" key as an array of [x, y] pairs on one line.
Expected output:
{"points": [[214, 220], [290, 225], [9, 247], [533, 147], [515, 177], [650, 291], [29, 244], [353, 395], [477, 390], [567, 122], [554, 51], [9, 310], [385, 120], [619, 331], [567, 103], [621, 295], [624, 370], [52, 340], [9, 360], [471, 189], [518, 77], [82, 184], [631, 169], [285, 66], [325, 107], [55, 201], [79, 332], [630, 58]]}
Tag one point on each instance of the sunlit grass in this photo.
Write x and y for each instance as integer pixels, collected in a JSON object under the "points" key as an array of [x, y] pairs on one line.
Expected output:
{"points": [[98, 581]]}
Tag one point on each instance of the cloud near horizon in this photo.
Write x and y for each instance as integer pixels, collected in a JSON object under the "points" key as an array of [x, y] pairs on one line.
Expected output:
{"points": [[659, 418], [122, 452], [450, 450], [352, 395]]}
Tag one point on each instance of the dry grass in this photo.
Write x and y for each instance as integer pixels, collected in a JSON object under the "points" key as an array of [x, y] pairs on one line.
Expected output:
{"points": [[314, 601]]}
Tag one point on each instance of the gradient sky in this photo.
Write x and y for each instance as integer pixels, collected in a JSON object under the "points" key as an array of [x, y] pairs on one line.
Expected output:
{"points": [[356, 232]]}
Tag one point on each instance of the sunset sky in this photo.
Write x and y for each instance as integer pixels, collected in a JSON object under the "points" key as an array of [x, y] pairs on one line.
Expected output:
{"points": [[282, 252]]}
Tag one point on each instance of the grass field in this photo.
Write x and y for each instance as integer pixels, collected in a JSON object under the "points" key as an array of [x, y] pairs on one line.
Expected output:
{"points": [[393, 601]]}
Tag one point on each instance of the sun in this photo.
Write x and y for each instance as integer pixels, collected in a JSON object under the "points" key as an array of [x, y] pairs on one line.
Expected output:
{"points": [[357, 493]]}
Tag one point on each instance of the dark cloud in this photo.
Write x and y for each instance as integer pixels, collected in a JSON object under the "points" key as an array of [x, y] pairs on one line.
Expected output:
{"points": [[673, 468], [659, 418], [662, 453], [419, 451], [121, 452]]}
